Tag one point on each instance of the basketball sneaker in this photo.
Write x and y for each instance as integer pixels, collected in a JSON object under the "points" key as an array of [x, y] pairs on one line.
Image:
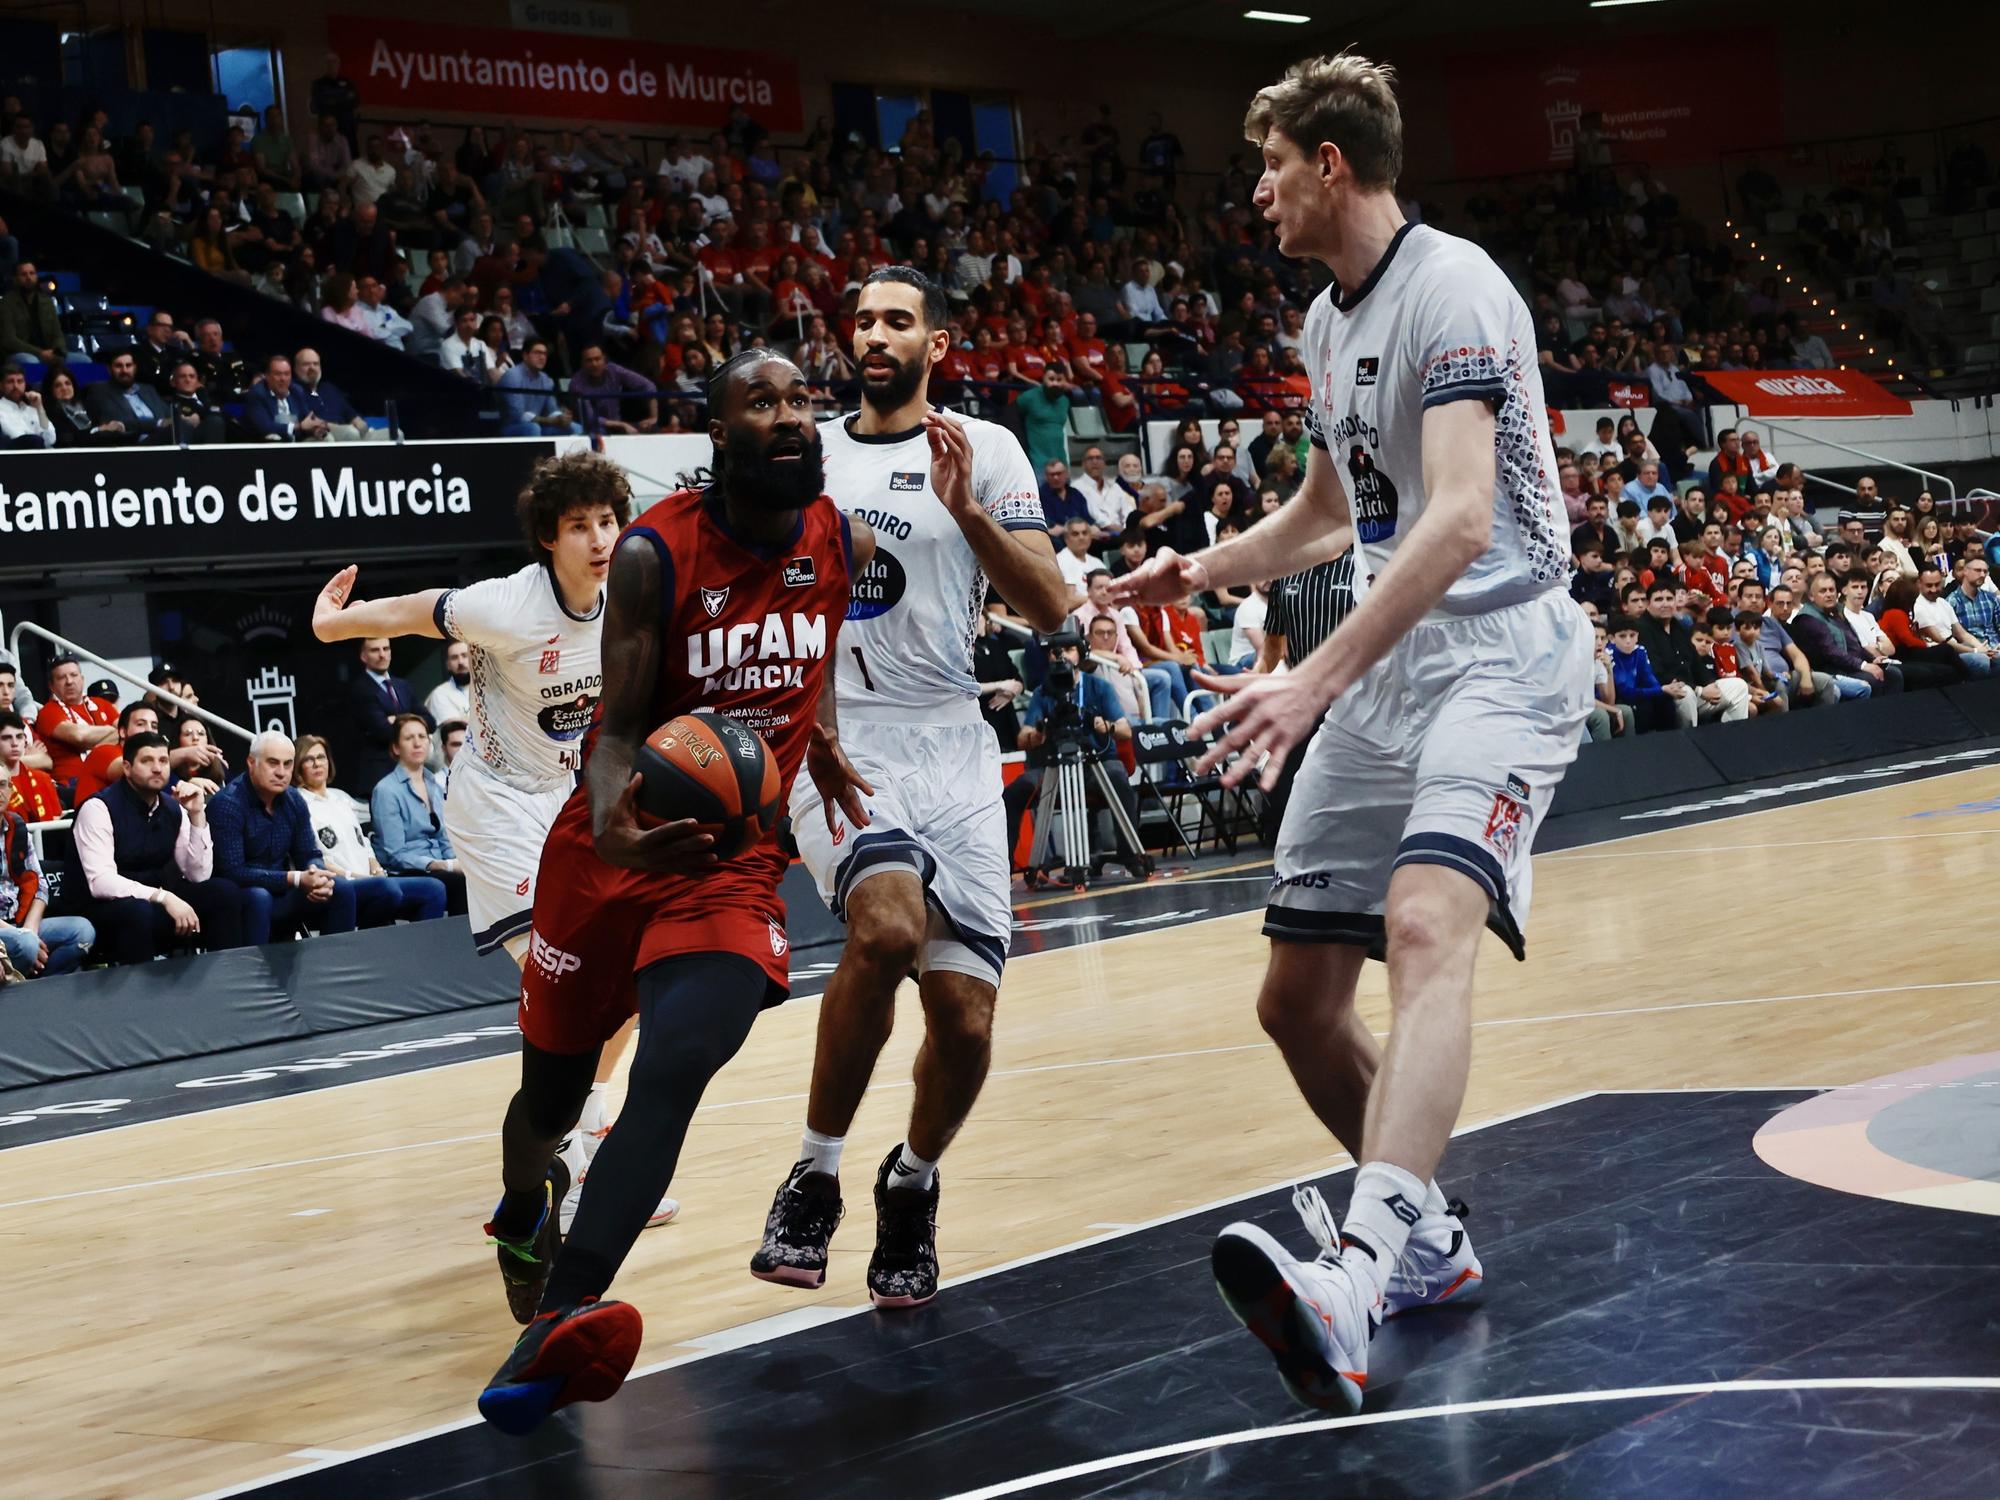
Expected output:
{"points": [[577, 1154], [567, 1354], [525, 1263], [1314, 1316], [903, 1271], [804, 1213], [1436, 1267]]}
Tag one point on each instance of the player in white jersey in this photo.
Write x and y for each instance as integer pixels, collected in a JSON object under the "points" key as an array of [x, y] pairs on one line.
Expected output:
{"points": [[1453, 699], [535, 679], [923, 886]]}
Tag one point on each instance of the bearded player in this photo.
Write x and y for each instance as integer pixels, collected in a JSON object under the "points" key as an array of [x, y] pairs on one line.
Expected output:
{"points": [[954, 504], [535, 678], [726, 599], [1449, 704]]}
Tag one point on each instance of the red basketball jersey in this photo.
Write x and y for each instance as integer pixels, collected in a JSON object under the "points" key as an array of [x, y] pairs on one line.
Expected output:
{"points": [[748, 631]]}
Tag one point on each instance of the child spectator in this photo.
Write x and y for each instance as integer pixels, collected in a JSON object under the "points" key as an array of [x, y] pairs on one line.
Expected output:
{"points": [[1632, 677]]}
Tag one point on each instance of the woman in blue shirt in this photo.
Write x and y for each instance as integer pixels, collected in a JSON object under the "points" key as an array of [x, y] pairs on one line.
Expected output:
{"points": [[406, 813]]}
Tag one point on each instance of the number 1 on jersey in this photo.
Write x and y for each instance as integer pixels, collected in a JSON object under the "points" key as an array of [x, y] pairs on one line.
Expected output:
{"points": [[862, 662]]}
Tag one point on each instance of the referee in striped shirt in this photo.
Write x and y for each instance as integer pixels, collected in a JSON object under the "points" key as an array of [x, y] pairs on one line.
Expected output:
{"points": [[1304, 610]]}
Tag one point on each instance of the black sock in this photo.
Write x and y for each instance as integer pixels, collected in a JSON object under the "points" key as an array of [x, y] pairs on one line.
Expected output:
{"points": [[694, 1012], [543, 1110]]}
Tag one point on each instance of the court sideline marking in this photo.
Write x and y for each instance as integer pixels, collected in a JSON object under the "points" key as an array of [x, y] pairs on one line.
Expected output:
{"points": [[1477, 1408], [894, 1084], [765, 1329], [1621, 838]]}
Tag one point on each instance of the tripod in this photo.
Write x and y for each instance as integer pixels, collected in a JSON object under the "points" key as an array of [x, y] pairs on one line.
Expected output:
{"points": [[1064, 793]]}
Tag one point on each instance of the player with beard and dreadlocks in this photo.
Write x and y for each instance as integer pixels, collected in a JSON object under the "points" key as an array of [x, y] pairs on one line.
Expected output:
{"points": [[726, 598], [923, 887]]}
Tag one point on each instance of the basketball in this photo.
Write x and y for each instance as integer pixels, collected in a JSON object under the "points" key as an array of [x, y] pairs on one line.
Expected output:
{"points": [[712, 769]]}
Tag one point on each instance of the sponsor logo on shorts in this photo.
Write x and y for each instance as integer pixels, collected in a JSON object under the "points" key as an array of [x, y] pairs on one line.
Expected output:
{"points": [[906, 484], [522, 888], [799, 572], [1503, 824], [779, 942], [551, 960], [551, 663], [712, 600], [839, 833], [1516, 787], [1312, 880], [1365, 370]]}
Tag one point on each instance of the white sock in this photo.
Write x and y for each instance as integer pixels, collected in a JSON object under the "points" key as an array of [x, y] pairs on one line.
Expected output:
{"points": [[821, 1152], [912, 1171], [1435, 1204], [1387, 1201]]}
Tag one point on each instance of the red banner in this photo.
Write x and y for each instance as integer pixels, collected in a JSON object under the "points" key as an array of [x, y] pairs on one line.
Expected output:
{"points": [[1658, 99], [1806, 393], [501, 75]]}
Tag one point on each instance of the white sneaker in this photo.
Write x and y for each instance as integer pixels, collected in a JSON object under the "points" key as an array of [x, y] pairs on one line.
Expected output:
{"points": [[576, 1152], [1312, 1315], [1437, 1266]]}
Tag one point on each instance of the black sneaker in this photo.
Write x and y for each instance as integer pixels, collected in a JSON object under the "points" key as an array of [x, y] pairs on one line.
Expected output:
{"points": [[903, 1271], [525, 1263], [568, 1354], [804, 1213]]}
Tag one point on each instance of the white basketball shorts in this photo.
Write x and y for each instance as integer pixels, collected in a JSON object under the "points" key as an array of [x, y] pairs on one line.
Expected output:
{"points": [[497, 832], [1447, 752], [937, 813]]}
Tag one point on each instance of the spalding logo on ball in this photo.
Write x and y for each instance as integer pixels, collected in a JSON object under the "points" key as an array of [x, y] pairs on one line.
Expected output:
{"points": [[710, 768]]}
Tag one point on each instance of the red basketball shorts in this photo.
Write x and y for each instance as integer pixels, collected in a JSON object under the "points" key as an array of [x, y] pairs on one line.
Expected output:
{"points": [[597, 926]]}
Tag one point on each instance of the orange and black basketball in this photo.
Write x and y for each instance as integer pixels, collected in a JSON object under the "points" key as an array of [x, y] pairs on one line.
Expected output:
{"points": [[712, 769]]}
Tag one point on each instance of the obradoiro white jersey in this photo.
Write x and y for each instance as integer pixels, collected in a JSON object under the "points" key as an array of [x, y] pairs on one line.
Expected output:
{"points": [[906, 648], [536, 675]]}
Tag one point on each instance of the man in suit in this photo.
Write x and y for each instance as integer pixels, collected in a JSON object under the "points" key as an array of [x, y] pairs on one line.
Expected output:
{"points": [[325, 400], [195, 418], [276, 413], [123, 405], [374, 699]]}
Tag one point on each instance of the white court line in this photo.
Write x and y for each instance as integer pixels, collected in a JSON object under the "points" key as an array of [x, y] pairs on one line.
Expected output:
{"points": [[764, 1329], [896, 1084], [463, 1062], [1477, 1408]]}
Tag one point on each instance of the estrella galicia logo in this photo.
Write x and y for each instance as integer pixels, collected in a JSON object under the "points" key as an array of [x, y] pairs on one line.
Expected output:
{"points": [[906, 484], [567, 721], [880, 587], [1365, 370], [1373, 495], [799, 572]]}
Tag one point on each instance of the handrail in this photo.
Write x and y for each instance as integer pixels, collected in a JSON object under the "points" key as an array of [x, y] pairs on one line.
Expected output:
{"points": [[30, 628], [1950, 491]]}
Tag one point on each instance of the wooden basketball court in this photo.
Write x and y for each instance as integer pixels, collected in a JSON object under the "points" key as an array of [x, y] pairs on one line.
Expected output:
{"points": [[218, 1299]]}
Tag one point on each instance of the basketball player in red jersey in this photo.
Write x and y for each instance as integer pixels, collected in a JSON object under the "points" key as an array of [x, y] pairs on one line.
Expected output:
{"points": [[726, 598]]}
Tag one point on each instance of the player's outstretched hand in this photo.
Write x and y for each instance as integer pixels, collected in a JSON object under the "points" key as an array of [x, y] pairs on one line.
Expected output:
{"points": [[1164, 578], [676, 848], [951, 461], [331, 601], [1260, 720], [840, 785]]}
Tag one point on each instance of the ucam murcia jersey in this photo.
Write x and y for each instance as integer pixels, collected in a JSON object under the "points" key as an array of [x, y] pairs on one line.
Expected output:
{"points": [[1436, 321], [536, 676], [906, 648]]}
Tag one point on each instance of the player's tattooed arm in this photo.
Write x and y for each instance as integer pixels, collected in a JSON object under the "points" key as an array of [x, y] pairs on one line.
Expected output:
{"points": [[338, 616], [632, 657]]}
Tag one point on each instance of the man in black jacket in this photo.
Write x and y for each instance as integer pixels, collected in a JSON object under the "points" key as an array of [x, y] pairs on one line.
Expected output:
{"points": [[1670, 646], [374, 699], [137, 409]]}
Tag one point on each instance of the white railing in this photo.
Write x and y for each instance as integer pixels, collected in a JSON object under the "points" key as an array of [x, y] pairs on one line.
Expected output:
{"points": [[1950, 493], [60, 643]]}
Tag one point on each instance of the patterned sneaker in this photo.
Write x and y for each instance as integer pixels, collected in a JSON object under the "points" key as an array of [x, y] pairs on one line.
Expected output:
{"points": [[1436, 1267], [568, 1354], [903, 1271], [1312, 1315], [804, 1213], [525, 1263]]}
